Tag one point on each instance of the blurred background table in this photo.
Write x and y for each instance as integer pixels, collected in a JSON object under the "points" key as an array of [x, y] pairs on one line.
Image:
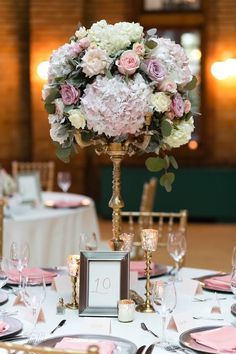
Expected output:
{"points": [[52, 233]]}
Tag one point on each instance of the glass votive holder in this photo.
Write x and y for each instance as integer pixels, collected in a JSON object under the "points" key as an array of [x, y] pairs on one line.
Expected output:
{"points": [[127, 241], [149, 239], [126, 310], [73, 262]]}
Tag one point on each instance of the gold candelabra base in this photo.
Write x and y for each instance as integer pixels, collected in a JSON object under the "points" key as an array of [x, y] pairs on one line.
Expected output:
{"points": [[74, 304]]}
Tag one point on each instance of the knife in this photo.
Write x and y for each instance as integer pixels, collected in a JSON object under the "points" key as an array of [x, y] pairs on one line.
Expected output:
{"points": [[14, 338], [58, 326], [140, 349], [150, 349]]}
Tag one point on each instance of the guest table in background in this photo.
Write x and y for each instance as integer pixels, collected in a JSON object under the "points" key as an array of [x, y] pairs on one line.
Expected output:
{"points": [[52, 233]]}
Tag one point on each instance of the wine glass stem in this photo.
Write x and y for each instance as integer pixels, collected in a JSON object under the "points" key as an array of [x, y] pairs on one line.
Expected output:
{"points": [[163, 334], [20, 279], [177, 270]]}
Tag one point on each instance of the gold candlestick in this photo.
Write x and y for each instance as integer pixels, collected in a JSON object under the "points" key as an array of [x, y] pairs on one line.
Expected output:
{"points": [[73, 265], [149, 244]]}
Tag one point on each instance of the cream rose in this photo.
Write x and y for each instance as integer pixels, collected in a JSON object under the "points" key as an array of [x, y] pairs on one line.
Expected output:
{"points": [[81, 33], [77, 118], [160, 101], [94, 62], [181, 135]]}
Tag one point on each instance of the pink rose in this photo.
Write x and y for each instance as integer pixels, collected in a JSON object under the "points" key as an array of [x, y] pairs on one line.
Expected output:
{"points": [[139, 49], [75, 50], [177, 105], [128, 63], [170, 115], [187, 106], [154, 69], [168, 86], [69, 94], [84, 43]]}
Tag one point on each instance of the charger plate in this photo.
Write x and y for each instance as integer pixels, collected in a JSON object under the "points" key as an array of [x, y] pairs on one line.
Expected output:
{"points": [[233, 309], [214, 288], [3, 297], [14, 327], [124, 345], [187, 341]]}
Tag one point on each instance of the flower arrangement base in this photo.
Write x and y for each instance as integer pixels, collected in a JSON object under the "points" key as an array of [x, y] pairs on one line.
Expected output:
{"points": [[74, 304]]}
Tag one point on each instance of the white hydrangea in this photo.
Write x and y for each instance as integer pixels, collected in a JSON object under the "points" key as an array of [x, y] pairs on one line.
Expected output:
{"points": [[58, 65], [180, 135], [113, 38]]}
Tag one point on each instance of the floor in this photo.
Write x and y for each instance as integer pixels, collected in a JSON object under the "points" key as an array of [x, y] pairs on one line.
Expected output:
{"points": [[209, 246]]}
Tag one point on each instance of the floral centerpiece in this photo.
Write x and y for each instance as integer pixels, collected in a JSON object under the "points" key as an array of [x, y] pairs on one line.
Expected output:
{"points": [[123, 91]]}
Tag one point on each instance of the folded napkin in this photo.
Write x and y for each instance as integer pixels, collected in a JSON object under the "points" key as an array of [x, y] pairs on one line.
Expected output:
{"points": [[65, 203], [3, 327], [34, 273], [219, 282], [139, 266], [105, 347], [221, 339]]}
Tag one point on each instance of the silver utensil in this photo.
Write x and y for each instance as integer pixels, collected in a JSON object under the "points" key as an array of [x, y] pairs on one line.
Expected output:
{"points": [[174, 348], [150, 349], [140, 349], [14, 338], [144, 327], [60, 324], [207, 318], [207, 299]]}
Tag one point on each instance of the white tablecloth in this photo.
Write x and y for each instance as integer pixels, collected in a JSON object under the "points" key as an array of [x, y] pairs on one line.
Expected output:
{"points": [[52, 234], [132, 331]]}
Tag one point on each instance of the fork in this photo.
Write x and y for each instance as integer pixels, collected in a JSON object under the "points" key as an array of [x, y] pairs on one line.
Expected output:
{"points": [[36, 338], [144, 327]]}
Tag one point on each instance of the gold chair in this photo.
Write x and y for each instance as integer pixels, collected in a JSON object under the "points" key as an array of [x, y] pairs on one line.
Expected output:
{"points": [[29, 349], [1, 226], [164, 222], [45, 169], [148, 195]]}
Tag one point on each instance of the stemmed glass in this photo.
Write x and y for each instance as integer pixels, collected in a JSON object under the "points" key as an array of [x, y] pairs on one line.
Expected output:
{"points": [[4, 268], [163, 300], [176, 247], [19, 255], [64, 181], [88, 242], [33, 294], [233, 277]]}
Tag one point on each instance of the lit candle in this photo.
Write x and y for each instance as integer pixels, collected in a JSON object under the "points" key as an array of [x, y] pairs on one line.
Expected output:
{"points": [[149, 238], [126, 309], [73, 264]]}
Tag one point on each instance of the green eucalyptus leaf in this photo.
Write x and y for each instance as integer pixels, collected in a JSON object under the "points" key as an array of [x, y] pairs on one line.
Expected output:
{"points": [[166, 181], [54, 93], [50, 108], [68, 108], [167, 162], [173, 162], [155, 164], [188, 116], [63, 154], [109, 74], [152, 32], [151, 44], [192, 84], [166, 128]]}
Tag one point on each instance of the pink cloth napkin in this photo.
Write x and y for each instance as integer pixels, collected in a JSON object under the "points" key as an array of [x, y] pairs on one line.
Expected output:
{"points": [[139, 266], [222, 339], [105, 347], [3, 327], [67, 204], [220, 282], [13, 274]]}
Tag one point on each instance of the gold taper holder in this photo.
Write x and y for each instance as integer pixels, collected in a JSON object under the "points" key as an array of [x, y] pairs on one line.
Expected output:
{"points": [[149, 239], [73, 266]]}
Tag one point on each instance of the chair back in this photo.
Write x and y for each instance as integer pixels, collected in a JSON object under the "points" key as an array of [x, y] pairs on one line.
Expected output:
{"points": [[29, 349], [148, 195], [164, 222], [46, 172], [1, 226]]}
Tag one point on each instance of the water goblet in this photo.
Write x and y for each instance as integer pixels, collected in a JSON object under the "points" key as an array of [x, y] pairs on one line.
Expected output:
{"points": [[163, 298], [4, 269], [19, 255], [33, 295], [176, 247], [64, 181]]}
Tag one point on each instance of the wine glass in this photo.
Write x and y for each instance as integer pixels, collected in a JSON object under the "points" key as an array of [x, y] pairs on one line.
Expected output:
{"points": [[4, 268], [33, 294], [234, 258], [176, 247], [163, 298], [64, 181], [19, 255], [88, 242]]}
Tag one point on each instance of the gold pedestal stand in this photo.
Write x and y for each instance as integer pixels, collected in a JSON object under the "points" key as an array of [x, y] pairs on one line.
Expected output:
{"points": [[147, 307], [74, 304]]}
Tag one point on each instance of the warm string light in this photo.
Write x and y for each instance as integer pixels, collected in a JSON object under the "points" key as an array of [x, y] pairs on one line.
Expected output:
{"points": [[42, 70], [222, 70]]}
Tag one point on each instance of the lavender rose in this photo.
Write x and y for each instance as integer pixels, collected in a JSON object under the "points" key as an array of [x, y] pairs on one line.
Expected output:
{"points": [[155, 69], [177, 105], [69, 94]]}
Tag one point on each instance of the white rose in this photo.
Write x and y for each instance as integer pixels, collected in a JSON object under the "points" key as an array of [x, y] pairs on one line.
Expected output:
{"points": [[81, 33], [77, 118], [94, 62], [181, 135], [160, 101]]}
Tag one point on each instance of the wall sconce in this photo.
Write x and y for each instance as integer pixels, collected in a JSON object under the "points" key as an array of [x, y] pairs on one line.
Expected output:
{"points": [[224, 69], [42, 70]]}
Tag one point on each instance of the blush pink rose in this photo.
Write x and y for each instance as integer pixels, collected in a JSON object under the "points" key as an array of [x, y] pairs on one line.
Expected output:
{"points": [[69, 94], [177, 105], [168, 86], [170, 115], [128, 63], [84, 43], [75, 50], [187, 106], [139, 49]]}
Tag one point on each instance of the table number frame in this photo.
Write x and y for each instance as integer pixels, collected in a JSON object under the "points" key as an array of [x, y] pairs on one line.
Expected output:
{"points": [[104, 280], [28, 185]]}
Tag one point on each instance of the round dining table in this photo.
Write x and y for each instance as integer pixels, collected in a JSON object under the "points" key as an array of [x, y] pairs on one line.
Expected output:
{"points": [[132, 331], [52, 228]]}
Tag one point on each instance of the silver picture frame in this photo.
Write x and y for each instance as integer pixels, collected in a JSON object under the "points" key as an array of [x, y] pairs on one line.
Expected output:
{"points": [[28, 186], [104, 280]]}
